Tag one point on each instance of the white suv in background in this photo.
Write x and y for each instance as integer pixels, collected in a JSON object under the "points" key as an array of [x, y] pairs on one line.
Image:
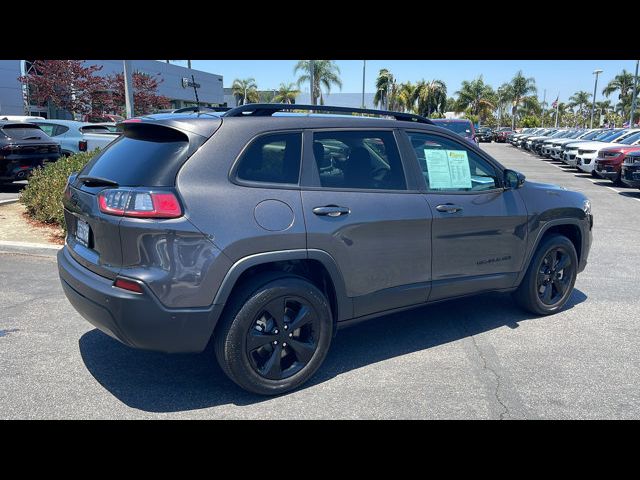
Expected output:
{"points": [[587, 152], [75, 136], [570, 150]]}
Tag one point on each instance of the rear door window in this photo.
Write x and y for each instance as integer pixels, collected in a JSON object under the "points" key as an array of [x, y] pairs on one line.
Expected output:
{"points": [[358, 160]]}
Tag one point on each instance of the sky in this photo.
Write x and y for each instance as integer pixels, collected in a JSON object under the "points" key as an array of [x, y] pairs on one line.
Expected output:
{"points": [[556, 76]]}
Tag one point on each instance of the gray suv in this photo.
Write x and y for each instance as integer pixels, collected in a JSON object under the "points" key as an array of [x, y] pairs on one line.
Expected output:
{"points": [[264, 231]]}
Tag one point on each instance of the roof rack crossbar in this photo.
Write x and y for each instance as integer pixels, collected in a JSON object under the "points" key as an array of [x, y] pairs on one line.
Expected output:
{"points": [[268, 109]]}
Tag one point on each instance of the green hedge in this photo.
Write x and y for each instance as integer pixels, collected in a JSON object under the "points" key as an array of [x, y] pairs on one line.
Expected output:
{"points": [[43, 195]]}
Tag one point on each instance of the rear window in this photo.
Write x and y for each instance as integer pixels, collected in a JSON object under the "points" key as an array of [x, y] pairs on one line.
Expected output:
{"points": [[145, 156], [24, 132], [95, 129]]}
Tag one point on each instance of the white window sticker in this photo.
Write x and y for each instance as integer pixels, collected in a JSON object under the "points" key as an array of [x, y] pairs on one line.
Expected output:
{"points": [[438, 168], [448, 169]]}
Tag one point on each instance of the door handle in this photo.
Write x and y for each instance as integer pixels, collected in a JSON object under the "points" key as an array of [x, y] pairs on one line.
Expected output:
{"points": [[331, 211], [449, 208]]}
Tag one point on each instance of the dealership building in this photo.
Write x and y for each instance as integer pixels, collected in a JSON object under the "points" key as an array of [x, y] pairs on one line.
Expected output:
{"points": [[175, 84]]}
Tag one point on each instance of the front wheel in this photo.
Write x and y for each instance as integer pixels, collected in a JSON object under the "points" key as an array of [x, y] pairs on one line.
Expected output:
{"points": [[551, 276], [274, 335]]}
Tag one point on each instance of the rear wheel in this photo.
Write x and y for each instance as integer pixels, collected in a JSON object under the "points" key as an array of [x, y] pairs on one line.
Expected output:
{"points": [[275, 334], [551, 276]]}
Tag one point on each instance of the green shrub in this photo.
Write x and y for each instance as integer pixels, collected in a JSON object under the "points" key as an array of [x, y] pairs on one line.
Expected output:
{"points": [[42, 197]]}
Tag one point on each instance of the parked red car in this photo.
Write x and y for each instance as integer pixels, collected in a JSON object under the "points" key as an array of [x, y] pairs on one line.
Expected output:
{"points": [[608, 164], [500, 135]]}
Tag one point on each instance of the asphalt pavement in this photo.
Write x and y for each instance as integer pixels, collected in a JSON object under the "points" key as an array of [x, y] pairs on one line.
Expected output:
{"points": [[11, 191], [479, 358]]}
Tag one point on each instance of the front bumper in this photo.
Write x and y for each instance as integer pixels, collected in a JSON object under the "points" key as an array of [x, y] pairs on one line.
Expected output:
{"points": [[631, 175], [586, 163], [137, 320]]}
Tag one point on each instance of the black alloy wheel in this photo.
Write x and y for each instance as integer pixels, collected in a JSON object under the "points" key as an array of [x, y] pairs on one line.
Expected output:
{"points": [[554, 276], [283, 338]]}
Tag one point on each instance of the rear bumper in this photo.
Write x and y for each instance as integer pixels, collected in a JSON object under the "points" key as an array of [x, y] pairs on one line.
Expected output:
{"points": [[137, 320]]}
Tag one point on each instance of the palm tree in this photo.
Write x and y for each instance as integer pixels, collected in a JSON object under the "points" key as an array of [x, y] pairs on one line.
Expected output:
{"points": [[431, 96], [603, 107], [503, 97], [286, 94], [521, 87], [476, 96], [383, 85], [245, 91], [622, 83], [580, 99], [325, 74], [406, 97], [393, 100]]}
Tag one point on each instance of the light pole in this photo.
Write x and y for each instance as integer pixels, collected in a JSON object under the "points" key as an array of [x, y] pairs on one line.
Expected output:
{"points": [[595, 88], [544, 101], [634, 96], [128, 88], [364, 67], [311, 80]]}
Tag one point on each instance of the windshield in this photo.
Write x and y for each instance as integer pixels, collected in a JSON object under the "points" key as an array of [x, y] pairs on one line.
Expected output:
{"points": [[613, 136], [461, 128], [631, 139], [575, 134], [594, 135]]}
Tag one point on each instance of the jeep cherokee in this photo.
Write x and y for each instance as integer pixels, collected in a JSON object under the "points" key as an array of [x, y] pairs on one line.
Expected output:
{"points": [[264, 231]]}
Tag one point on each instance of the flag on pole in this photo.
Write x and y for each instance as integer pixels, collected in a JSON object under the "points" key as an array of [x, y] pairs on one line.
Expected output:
{"points": [[555, 103]]}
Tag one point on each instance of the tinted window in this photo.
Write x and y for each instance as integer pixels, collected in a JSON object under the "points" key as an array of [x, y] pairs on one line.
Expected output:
{"points": [[448, 166], [47, 128], [144, 156], [358, 160], [631, 139], [94, 129], [60, 129], [26, 132], [272, 158], [459, 127]]}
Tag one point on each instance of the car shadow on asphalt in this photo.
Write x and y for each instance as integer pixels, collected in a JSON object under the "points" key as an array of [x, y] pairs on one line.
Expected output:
{"points": [[12, 187], [157, 382]]}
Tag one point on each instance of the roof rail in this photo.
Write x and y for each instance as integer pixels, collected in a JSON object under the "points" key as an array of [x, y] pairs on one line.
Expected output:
{"points": [[268, 109], [200, 108]]}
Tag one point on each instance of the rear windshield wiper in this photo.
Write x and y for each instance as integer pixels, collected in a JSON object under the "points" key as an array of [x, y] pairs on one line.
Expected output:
{"points": [[97, 181]]}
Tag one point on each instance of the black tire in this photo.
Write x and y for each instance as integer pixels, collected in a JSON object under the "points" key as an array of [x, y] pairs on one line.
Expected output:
{"points": [[528, 295], [247, 310]]}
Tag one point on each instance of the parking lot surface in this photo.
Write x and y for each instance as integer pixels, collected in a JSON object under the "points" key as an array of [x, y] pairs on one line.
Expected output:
{"points": [[479, 358]]}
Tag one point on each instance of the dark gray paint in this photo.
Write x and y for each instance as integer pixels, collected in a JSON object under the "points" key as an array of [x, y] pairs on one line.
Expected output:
{"points": [[388, 253]]}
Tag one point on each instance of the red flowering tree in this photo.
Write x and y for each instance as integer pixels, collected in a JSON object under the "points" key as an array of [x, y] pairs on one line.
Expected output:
{"points": [[145, 96], [67, 84]]}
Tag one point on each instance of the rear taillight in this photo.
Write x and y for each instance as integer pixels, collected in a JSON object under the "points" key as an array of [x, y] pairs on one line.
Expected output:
{"points": [[82, 145], [139, 204], [129, 285]]}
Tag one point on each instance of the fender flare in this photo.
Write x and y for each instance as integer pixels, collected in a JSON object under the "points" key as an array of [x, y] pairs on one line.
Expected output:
{"points": [[544, 229], [343, 302]]}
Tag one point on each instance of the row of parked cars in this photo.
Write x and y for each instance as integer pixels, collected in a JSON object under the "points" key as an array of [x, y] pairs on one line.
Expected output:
{"points": [[29, 142], [610, 153]]}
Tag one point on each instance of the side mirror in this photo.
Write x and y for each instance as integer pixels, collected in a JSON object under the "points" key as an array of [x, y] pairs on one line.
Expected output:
{"points": [[513, 179]]}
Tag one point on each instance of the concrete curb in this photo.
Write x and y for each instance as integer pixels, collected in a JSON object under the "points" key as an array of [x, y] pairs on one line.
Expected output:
{"points": [[7, 202], [28, 248]]}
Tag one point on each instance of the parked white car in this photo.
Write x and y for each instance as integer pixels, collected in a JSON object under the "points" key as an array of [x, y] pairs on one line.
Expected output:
{"points": [[555, 149], [587, 152], [570, 150], [75, 136]]}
